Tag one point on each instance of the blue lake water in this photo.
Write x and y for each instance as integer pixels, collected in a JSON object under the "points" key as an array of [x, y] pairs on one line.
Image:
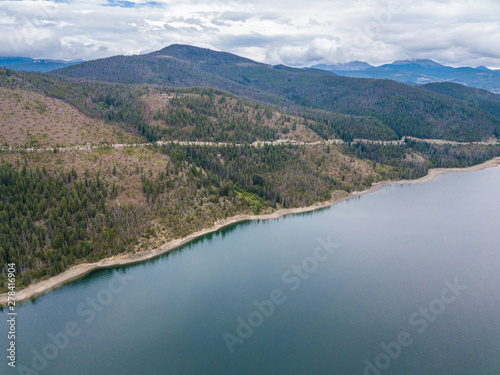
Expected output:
{"points": [[402, 281]]}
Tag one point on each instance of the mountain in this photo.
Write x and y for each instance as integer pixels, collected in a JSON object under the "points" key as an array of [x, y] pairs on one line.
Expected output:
{"points": [[351, 66], [418, 62], [397, 108], [35, 65], [478, 98], [416, 72]]}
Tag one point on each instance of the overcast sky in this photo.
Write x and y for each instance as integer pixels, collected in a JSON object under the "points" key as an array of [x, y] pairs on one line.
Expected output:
{"points": [[291, 32]]}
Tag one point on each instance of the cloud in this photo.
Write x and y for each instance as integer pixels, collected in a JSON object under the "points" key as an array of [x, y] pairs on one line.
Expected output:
{"points": [[131, 4], [293, 32]]}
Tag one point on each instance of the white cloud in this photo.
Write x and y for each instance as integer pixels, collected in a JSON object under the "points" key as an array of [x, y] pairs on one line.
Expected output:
{"points": [[455, 32]]}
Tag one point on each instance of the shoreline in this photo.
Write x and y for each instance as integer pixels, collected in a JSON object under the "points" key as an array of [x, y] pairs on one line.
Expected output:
{"points": [[80, 270]]}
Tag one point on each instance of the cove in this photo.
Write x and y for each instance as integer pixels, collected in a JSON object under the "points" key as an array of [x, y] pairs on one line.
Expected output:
{"points": [[401, 281]]}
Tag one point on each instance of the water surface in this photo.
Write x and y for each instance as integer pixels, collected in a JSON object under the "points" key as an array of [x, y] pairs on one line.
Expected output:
{"points": [[392, 254]]}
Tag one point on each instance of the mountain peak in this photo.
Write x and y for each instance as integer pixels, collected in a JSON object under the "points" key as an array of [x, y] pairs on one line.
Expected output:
{"points": [[201, 55], [482, 67], [422, 62]]}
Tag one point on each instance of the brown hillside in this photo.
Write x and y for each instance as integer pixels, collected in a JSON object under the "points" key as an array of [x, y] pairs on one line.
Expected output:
{"points": [[29, 119]]}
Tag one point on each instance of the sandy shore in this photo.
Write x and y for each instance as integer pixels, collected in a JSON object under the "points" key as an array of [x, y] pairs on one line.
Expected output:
{"points": [[81, 270]]}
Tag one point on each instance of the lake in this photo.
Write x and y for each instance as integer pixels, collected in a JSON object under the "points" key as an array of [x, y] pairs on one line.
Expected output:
{"points": [[402, 281]]}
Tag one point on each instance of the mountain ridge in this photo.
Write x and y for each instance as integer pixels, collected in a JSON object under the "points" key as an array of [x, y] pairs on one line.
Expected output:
{"points": [[36, 65], [406, 110]]}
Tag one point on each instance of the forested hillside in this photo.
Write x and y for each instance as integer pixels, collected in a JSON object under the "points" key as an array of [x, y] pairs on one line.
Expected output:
{"points": [[480, 99], [406, 110], [211, 115], [148, 111]]}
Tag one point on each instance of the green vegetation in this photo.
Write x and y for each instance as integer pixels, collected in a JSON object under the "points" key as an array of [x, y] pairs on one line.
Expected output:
{"points": [[413, 159], [213, 116], [276, 175], [48, 221], [52, 219]]}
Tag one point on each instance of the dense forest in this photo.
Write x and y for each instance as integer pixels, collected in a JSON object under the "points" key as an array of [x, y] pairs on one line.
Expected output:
{"points": [[365, 109], [50, 220], [413, 159], [477, 98]]}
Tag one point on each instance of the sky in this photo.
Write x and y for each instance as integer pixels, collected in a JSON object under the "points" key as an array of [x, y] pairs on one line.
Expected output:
{"points": [[291, 32]]}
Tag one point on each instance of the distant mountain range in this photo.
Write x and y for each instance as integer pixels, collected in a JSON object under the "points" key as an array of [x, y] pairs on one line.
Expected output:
{"points": [[417, 72], [34, 65]]}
